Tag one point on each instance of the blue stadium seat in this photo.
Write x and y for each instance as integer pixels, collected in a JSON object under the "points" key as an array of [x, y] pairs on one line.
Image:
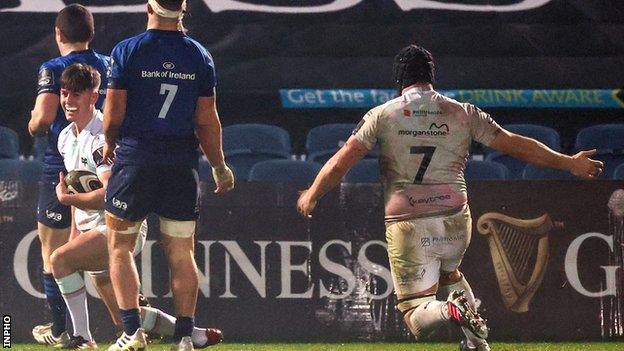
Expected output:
{"points": [[365, 171], [322, 142], [619, 172], [9, 143], [284, 171], [247, 144], [609, 140], [483, 170], [514, 165], [534, 172], [29, 171], [546, 135]]}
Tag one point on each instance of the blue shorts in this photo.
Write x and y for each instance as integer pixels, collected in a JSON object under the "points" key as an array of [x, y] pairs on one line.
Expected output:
{"points": [[50, 212], [171, 192]]}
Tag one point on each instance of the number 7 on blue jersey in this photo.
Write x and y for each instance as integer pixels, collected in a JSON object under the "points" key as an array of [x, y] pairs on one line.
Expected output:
{"points": [[171, 91]]}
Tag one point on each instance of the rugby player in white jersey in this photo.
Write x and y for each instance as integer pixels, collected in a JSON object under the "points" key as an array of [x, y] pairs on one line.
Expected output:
{"points": [[424, 138], [80, 144]]}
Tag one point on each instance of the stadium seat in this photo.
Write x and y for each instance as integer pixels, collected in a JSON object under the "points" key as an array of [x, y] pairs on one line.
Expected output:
{"points": [[534, 172], [284, 171], [28, 171], [619, 172], [365, 171], [483, 170], [9, 143], [609, 140], [322, 142], [546, 135], [247, 144]]}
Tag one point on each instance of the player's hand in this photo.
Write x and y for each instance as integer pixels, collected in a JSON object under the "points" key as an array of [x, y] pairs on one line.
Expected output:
{"points": [[62, 193], [108, 153], [223, 177], [305, 204], [585, 167]]}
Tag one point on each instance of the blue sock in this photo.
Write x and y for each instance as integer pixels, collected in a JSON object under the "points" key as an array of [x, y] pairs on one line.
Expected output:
{"points": [[183, 327], [131, 320], [56, 303]]}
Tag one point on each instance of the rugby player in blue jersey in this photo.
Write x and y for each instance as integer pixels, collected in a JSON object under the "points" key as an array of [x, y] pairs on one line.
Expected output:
{"points": [[74, 30], [160, 107]]}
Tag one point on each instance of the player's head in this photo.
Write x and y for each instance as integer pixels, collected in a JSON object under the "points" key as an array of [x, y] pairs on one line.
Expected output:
{"points": [[167, 10], [74, 24], [79, 91], [413, 64]]}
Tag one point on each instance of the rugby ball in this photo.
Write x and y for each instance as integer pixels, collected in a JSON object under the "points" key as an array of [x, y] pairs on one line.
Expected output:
{"points": [[81, 181]]}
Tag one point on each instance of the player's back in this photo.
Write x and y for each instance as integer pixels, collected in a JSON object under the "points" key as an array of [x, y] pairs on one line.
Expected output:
{"points": [[164, 73], [424, 139], [49, 82]]}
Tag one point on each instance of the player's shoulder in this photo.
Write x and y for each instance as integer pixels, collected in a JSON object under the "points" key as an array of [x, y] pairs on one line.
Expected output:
{"points": [[452, 104], [55, 64], [388, 107], [199, 47], [96, 127], [64, 135], [131, 43]]}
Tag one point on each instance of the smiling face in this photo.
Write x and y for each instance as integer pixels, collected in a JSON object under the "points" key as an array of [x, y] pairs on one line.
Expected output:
{"points": [[78, 106]]}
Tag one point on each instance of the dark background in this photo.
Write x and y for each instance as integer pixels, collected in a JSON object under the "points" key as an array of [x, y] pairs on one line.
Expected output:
{"points": [[563, 44], [353, 213]]}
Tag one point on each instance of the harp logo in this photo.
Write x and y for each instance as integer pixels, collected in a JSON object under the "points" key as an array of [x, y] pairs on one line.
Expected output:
{"points": [[519, 250]]}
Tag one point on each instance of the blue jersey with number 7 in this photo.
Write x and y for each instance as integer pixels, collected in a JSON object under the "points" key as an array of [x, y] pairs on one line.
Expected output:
{"points": [[164, 73]]}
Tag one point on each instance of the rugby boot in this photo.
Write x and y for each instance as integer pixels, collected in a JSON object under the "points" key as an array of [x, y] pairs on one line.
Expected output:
{"points": [[127, 342], [463, 314], [186, 344]]}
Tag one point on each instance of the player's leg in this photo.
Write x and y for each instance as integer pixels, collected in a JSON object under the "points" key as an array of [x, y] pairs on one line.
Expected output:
{"points": [[458, 231], [178, 211], [86, 252], [129, 197], [157, 321], [53, 228], [415, 273]]}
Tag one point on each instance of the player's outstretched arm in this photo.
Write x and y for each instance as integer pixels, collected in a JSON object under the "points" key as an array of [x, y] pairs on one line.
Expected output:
{"points": [[208, 129], [43, 114], [93, 200], [114, 114], [331, 174], [534, 152]]}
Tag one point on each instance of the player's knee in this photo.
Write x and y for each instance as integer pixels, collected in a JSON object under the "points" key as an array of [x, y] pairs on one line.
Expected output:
{"points": [[448, 278], [57, 260]]}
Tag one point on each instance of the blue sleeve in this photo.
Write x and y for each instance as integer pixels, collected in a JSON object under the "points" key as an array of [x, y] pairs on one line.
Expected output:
{"points": [[48, 80], [117, 74], [208, 82]]}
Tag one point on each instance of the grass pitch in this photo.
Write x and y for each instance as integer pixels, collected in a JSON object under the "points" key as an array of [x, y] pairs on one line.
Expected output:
{"points": [[571, 346]]}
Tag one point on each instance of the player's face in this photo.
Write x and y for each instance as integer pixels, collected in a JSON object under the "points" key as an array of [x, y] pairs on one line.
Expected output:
{"points": [[77, 105]]}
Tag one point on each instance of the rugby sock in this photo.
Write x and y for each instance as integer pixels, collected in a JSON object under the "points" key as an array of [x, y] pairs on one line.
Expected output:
{"points": [[131, 320], [445, 290], [183, 327], [157, 321], [56, 303], [73, 289], [428, 316]]}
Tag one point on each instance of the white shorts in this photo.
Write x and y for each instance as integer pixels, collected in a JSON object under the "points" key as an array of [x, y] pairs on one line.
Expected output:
{"points": [[419, 249]]}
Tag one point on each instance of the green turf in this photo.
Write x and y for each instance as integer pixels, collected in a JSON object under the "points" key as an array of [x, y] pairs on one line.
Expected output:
{"points": [[577, 346]]}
